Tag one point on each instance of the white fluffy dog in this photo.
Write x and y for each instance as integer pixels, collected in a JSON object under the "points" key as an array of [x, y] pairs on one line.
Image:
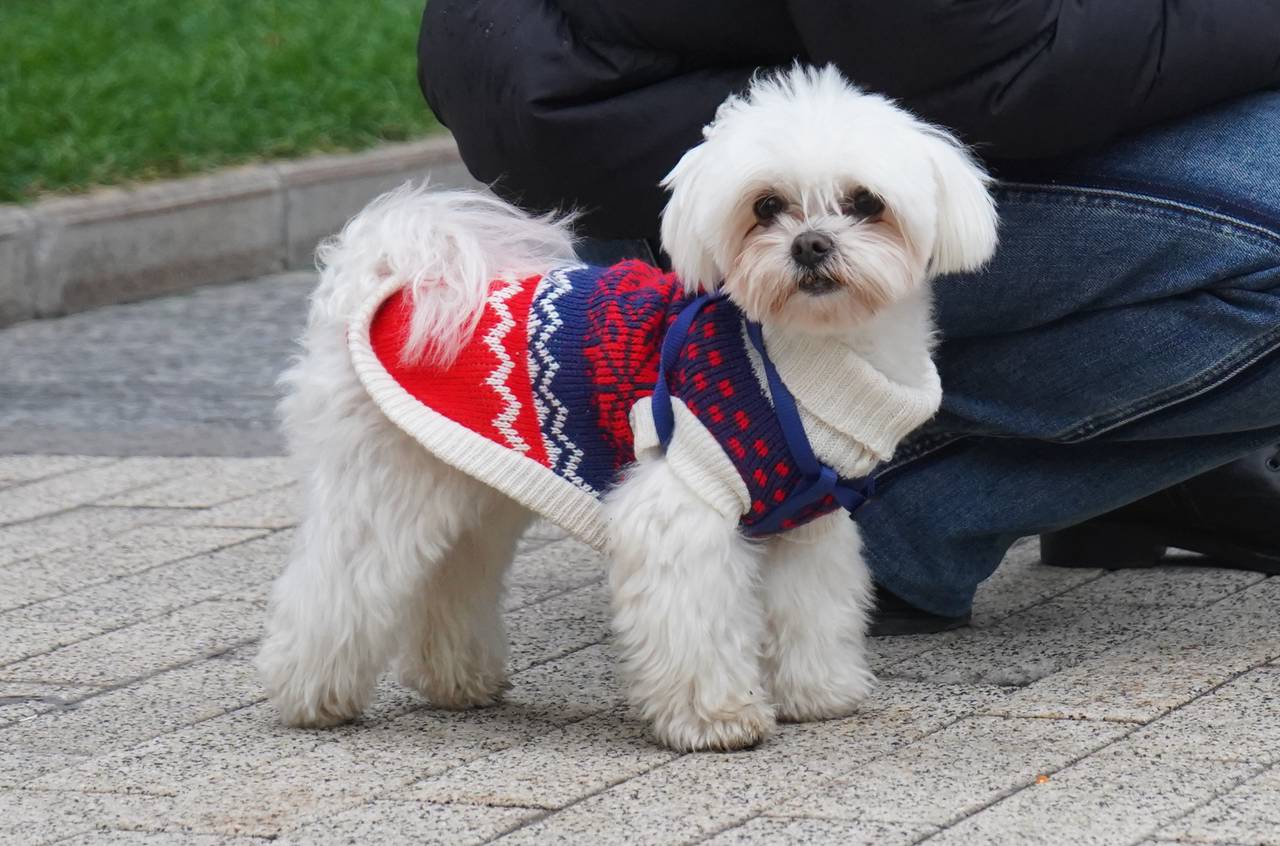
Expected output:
{"points": [[815, 211]]}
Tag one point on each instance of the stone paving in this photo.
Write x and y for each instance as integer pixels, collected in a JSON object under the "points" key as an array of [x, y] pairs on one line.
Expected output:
{"points": [[188, 375], [1083, 707]]}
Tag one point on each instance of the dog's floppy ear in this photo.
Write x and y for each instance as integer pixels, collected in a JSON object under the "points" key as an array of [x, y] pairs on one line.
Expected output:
{"points": [[686, 236], [967, 221]]}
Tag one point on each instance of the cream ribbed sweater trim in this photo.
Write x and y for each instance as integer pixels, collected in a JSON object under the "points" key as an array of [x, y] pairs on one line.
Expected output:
{"points": [[523, 479], [853, 413], [694, 455]]}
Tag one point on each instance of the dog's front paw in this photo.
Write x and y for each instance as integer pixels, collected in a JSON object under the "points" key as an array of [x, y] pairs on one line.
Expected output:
{"points": [[825, 697], [725, 730]]}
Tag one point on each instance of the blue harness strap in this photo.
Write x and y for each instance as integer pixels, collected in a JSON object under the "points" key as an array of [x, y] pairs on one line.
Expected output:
{"points": [[672, 343], [818, 479]]}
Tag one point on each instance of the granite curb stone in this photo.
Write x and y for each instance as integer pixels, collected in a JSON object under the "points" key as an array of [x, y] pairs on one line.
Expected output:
{"points": [[322, 192], [17, 259], [114, 245], [123, 244]]}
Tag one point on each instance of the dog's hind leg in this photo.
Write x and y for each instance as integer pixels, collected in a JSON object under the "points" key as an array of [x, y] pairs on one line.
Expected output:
{"points": [[378, 519], [817, 596], [455, 652], [687, 614], [378, 513]]}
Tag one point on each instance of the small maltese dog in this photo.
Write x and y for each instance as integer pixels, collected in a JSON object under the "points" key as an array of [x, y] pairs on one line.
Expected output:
{"points": [[709, 430]]}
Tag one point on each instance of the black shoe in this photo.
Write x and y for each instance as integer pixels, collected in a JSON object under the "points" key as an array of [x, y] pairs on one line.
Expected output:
{"points": [[1231, 515], [895, 616]]}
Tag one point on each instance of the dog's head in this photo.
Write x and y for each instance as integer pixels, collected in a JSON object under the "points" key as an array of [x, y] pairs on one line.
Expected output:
{"points": [[814, 204]]}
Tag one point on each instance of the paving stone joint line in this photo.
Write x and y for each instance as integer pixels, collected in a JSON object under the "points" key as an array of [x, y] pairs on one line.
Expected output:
{"points": [[102, 690], [20, 483], [265, 534], [1206, 802], [1173, 613], [483, 755], [140, 486]]}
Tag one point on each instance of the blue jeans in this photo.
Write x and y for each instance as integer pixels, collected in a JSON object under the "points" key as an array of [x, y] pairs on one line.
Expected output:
{"points": [[1124, 338]]}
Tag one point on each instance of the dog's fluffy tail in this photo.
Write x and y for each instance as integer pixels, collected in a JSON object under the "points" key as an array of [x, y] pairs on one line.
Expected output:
{"points": [[447, 247]]}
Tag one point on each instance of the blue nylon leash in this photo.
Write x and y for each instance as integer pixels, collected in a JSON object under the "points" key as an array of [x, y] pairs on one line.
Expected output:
{"points": [[819, 480]]}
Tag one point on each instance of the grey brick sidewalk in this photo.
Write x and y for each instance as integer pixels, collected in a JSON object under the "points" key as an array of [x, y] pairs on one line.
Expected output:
{"points": [[1083, 707]]}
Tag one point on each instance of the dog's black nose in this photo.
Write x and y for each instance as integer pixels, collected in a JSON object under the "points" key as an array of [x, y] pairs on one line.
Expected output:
{"points": [[810, 249]]}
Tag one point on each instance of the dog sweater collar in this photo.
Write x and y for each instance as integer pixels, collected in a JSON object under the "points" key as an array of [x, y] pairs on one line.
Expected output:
{"points": [[860, 425]]}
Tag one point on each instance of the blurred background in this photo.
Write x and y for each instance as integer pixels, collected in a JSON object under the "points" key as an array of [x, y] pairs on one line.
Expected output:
{"points": [[102, 93], [167, 168]]}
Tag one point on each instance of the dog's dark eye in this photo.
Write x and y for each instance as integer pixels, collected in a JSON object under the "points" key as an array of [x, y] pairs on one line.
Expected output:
{"points": [[862, 204], [768, 207]]}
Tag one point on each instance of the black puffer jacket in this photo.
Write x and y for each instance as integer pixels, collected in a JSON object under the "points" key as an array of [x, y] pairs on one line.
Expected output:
{"points": [[590, 102]]}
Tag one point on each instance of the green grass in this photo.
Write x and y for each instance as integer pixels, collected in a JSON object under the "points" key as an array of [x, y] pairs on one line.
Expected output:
{"points": [[96, 92]]}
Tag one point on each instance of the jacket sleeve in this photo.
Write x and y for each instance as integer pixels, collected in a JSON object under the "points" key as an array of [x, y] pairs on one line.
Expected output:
{"points": [[560, 109], [1041, 78], [553, 119]]}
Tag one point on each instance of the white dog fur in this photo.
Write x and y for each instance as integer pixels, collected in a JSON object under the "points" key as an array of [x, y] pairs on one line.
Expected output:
{"points": [[399, 556]]}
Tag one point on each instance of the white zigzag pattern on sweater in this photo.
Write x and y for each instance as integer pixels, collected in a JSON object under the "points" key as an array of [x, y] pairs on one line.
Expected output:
{"points": [[498, 378], [545, 321], [539, 331]]}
